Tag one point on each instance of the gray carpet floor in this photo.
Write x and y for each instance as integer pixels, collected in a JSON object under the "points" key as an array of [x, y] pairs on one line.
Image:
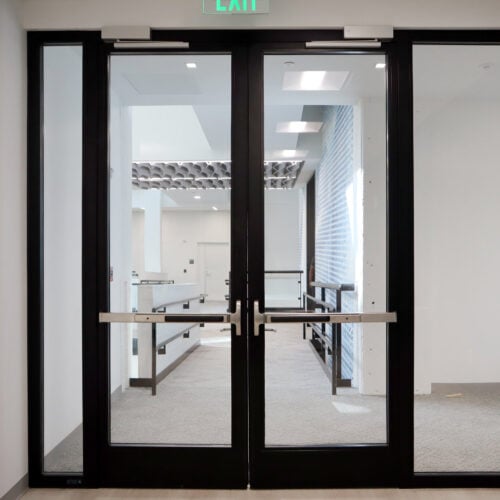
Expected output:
{"points": [[193, 408], [458, 433], [300, 409], [192, 405]]}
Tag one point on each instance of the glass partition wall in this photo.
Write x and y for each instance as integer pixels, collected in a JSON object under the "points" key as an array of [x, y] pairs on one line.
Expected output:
{"points": [[457, 243]]}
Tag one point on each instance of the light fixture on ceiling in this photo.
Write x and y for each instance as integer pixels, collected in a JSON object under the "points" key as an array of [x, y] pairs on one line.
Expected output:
{"points": [[197, 197], [314, 80], [298, 127], [215, 208], [291, 153], [191, 65], [380, 65]]}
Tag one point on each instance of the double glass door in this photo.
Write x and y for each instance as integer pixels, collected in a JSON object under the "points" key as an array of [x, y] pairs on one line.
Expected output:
{"points": [[246, 333]]}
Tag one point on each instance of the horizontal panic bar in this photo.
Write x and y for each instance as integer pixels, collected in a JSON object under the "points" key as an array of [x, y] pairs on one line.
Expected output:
{"points": [[163, 318], [386, 317]]}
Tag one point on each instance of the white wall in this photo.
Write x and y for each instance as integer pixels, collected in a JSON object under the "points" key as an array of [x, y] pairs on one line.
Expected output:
{"points": [[372, 259], [62, 243], [138, 242], [457, 243], [282, 229], [120, 236], [92, 14], [150, 202], [283, 246], [181, 233], [13, 363]]}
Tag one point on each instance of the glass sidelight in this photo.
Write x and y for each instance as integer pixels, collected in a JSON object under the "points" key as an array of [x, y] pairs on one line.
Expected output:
{"points": [[170, 237], [325, 174], [62, 259], [457, 374]]}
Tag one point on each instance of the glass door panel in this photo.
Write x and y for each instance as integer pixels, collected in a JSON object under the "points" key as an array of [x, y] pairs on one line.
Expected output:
{"points": [[325, 218], [175, 397], [170, 235]]}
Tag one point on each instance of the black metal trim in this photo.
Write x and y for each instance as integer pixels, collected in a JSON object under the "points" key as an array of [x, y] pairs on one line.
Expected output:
{"points": [[403, 295], [35, 261], [310, 235], [256, 264], [310, 467], [399, 253], [36, 42], [92, 118]]}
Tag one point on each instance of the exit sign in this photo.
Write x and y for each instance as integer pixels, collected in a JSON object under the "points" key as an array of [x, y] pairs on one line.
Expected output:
{"points": [[236, 6]]}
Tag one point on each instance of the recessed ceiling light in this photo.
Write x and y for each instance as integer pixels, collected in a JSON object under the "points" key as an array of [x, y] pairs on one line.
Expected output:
{"points": [[298, 127], [291, 153], [380, 65], [215, 208], [314, 80], [191, 65], [197, 197]]}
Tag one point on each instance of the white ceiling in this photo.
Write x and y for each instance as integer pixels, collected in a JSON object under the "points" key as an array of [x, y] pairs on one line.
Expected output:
{"points": [[182, 114], [149, 82]]}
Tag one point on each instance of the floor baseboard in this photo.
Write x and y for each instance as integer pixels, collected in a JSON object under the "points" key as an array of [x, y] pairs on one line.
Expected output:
{"points": [[18, 489]]}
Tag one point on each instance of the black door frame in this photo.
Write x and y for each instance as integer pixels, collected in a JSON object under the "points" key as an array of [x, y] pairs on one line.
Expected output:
{"points": [[306, 467], [398, 462], [179, 466]]}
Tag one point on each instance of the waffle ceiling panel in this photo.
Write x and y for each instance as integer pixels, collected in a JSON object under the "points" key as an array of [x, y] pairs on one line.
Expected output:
{"points": [[208, 174]]}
